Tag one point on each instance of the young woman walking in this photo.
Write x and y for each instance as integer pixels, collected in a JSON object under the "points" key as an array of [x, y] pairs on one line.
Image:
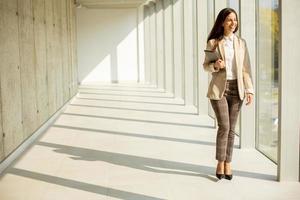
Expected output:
{"points": [[231, 83]]}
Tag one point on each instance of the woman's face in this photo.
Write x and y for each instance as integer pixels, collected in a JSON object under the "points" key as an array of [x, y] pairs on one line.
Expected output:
{"points": [[230, 23]]}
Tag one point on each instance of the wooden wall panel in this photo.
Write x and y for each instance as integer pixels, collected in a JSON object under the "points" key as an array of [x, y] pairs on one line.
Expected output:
{"points": [[27, 57], [51, 79], [10, 76], [40, 60], [65, 54], [58, 52]]}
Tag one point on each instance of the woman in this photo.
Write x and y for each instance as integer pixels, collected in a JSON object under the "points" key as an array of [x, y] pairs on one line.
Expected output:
{"points": [[231, 83]]}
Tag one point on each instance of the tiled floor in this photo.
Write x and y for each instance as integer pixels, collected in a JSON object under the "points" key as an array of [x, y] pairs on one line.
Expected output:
{"points": [[135, 143]]}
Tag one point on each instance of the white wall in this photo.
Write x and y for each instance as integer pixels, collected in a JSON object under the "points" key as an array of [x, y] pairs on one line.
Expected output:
{"points": [[107, 45]]}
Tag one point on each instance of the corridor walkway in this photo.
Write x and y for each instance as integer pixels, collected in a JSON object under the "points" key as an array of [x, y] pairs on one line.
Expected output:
{"points": [[135, 142]]}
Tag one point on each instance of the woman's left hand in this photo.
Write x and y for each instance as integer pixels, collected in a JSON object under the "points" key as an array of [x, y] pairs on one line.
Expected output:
{"points": [[249, 98]]}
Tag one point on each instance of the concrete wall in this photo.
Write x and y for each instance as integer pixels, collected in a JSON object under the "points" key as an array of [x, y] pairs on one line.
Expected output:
{"points": [[107, 45], [38, 71]]}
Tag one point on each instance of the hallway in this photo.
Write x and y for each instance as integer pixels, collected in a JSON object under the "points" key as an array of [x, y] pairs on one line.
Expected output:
{"points": [[136, 142]]}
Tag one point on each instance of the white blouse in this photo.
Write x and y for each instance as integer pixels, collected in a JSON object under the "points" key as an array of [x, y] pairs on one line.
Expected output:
{"points": [[230, 63]]}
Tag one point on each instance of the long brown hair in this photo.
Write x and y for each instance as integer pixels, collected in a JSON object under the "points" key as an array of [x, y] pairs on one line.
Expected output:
{"points": [[218, 30]]}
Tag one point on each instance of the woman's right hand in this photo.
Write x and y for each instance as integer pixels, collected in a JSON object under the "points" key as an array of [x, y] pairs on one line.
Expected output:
{"points": [[219, 64]]}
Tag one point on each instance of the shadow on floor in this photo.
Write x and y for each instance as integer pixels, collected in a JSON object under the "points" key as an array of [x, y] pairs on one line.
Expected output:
{"points": [[126, 95], [149, 90], [147, 164], [81, 185], [138, 120], [132, 101], [133, 109], [170, 139]]}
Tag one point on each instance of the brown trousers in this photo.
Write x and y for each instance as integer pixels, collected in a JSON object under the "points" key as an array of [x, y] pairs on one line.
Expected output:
{"points": [[227, 110]]}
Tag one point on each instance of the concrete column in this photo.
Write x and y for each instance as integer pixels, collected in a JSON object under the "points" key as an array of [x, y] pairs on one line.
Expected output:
{"points": [[153, 48], [141, 45], [214, 6], [202, 85], [211, 13], [178, 48], [147, 44], [289, 111], [189, 54], [248, 30], [168, 42], [219, 5], [195, 53], [160, 44]]}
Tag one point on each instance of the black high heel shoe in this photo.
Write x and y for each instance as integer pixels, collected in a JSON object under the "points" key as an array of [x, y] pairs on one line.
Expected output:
{"points": [[228, 176], [220, 176]]}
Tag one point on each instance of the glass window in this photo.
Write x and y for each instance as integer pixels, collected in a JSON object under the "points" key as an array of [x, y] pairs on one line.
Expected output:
{"points": [[267, 77]]}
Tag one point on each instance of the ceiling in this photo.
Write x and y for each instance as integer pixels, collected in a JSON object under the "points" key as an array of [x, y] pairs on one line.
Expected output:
{"points": [[110, 3]]}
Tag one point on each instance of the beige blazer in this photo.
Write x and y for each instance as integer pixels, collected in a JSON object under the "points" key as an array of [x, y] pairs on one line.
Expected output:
{"points": [[217, 84]]}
